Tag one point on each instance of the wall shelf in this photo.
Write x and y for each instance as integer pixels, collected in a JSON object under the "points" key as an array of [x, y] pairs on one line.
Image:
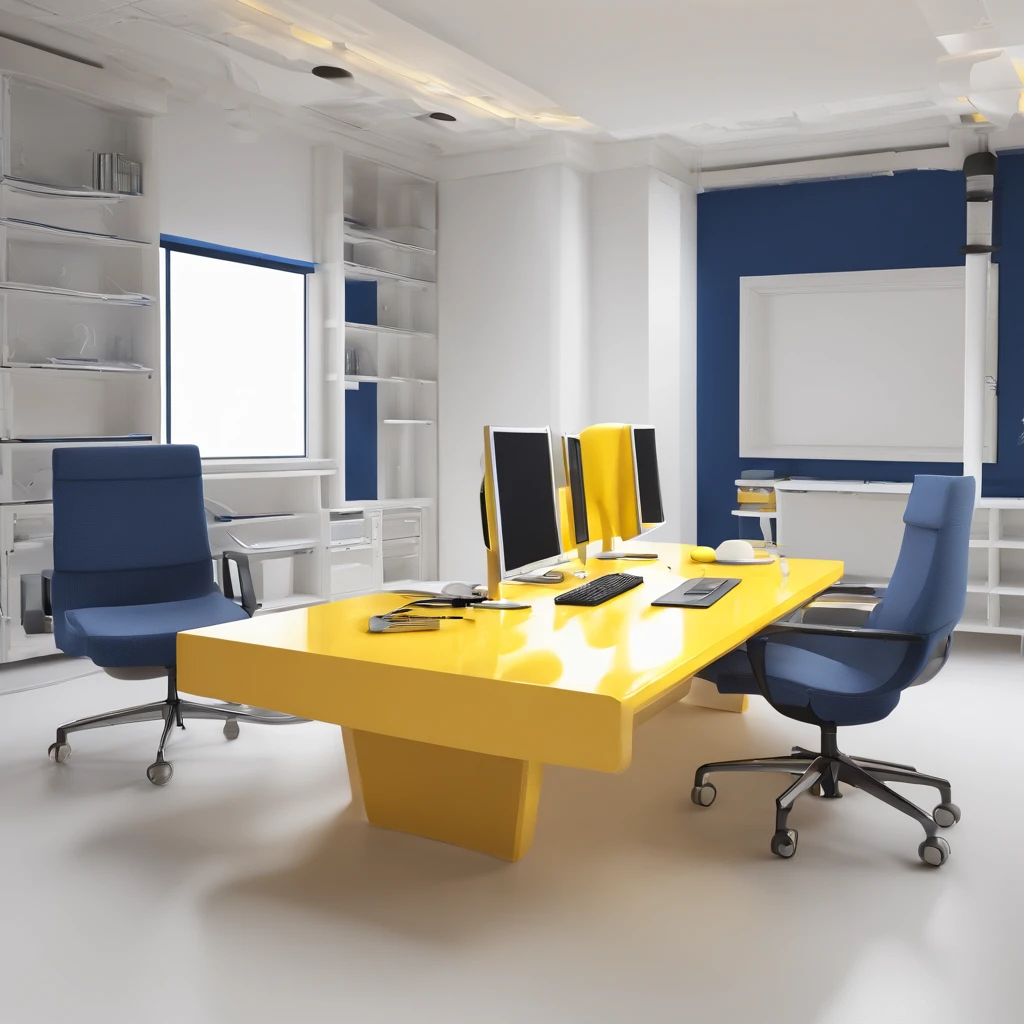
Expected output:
{"points": [[357, 378], [31, 231], [750, 513], [46, 191], [359, 237], [84, 370], [361, 272], [37, 291], [408, 423], [398, 332]]}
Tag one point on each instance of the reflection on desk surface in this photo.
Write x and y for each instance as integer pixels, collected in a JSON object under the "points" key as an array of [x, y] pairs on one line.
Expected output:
{"points": [[624, 649]]}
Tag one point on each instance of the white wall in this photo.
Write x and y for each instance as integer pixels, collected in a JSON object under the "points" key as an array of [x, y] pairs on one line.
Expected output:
{"points": [[643, 322], [511, 289], [618, 209], [249, 195]]}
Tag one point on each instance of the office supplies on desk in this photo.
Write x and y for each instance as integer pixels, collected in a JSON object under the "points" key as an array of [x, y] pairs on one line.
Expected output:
{"points": [[600, 590], [700, 592]]}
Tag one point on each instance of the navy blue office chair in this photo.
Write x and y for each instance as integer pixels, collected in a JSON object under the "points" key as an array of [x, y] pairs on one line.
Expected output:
{"points": [[132, 569], [822, 669]]}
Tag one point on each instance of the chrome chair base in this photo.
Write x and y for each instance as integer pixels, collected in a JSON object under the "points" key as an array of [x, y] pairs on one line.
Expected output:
{"points": [[823, 773], [171, 711]]}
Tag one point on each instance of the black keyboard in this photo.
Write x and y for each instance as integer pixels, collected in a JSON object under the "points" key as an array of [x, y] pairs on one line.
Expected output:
{"points": [[600, 590]]}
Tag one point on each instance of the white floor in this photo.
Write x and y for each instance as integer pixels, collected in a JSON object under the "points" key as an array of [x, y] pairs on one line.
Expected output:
{"points": [[244, 892]]}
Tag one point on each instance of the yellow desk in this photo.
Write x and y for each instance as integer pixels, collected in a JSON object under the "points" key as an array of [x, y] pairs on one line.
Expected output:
{"points": [[446, 733]]}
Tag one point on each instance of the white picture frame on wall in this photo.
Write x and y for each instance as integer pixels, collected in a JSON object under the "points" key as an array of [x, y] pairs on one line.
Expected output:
{"points": [[862, 365]]}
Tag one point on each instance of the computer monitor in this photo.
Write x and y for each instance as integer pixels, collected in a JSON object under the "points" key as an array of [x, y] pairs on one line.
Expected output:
{"points": [[625, 500], [647, 481], [572, 454], [521, 504]]}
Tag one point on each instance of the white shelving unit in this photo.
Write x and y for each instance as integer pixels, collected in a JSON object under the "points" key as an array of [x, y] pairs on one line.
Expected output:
{"points": [[79, 334], [388, 238], [289, 545]]}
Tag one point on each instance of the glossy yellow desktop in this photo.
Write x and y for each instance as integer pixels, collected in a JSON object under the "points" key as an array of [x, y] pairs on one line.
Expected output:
{"points": [[447, 732]]}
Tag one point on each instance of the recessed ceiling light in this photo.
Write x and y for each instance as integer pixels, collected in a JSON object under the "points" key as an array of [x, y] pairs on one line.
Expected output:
{"points": [[440, 115], [331, 71]]}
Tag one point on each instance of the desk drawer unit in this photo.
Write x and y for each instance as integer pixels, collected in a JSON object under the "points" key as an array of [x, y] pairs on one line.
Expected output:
{"points": [[354, 552], [402, 547]]}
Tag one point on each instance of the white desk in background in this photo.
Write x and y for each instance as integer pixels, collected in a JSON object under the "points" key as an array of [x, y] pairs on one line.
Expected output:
{"points": [[861, 522]]}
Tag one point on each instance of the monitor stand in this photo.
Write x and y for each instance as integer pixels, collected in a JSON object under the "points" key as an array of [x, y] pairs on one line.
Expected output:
{"points": [[636, 556], [501, 605], [551, 576]]}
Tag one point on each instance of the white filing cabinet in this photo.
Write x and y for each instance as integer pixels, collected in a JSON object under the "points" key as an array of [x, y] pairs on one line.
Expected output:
{"points": [[27, 538], [355, 552], [402, 544]]}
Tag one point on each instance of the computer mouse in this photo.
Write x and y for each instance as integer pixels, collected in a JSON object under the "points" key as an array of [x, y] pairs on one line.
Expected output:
{"points": [[702, 554], [735, 551], [464, 590]]}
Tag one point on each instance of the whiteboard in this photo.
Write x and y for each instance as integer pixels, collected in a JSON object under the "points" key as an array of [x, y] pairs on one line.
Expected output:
{"points": [[863, 365]]}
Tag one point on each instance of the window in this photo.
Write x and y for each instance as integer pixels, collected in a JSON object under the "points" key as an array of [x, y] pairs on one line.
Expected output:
{"points": [[235, 335]]}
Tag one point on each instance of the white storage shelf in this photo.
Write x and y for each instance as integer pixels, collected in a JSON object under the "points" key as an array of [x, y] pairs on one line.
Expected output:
{"points": [[288, 545], [390, 238], [78, 269]]}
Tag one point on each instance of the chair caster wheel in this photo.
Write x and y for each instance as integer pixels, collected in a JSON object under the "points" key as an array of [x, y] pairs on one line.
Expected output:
{"points": [[703, 796], [59, 752], [784, 843], [159, 773], [946, 815], [231, 729], [934, 851]]}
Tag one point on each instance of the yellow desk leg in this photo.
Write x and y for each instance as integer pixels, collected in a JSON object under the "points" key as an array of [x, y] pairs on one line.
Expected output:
{"points": [[478, 801], [704, 694]]}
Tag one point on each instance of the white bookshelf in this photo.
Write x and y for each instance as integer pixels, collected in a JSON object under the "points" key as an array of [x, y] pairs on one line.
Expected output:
{"points": [[79, 330], [388, 236], [288, 546]]}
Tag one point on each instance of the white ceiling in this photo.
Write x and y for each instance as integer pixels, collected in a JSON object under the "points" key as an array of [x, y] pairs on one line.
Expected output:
{"points": [[715, 75], [642, 67]]}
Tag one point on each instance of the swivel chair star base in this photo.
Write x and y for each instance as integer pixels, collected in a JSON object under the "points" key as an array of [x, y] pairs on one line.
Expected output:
{"points": [[848, 656], [821, 773], [132, 569], [172, 711]]}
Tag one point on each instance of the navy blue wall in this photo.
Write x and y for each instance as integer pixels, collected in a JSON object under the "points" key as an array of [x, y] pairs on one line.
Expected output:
{"points": [[361, 405], [912, 219]]}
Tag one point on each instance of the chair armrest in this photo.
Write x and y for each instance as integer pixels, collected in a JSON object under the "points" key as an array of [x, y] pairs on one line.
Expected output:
{"points": [[249, 603], [822, 629], [757, 646], [855, 588]]}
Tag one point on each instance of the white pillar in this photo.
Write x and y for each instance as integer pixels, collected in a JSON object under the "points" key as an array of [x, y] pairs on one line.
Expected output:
{"points": [[975, 327]]}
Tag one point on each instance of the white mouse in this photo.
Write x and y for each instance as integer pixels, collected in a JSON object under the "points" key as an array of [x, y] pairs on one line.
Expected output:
{"points": [[734, 551], [465, 590]]}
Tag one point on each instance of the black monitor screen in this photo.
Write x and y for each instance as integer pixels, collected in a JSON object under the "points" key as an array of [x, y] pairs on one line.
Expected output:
{"points": [[527, 503], [647, 480], [574, 460]]}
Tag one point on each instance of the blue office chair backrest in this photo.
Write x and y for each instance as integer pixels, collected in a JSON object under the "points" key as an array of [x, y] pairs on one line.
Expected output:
{"points": [[129, 527], [928, 589]]}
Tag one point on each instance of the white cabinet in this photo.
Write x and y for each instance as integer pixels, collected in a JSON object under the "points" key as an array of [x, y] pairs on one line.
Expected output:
{"points": [[355, 554], [271, 509], [26, 535], [402, 544]]}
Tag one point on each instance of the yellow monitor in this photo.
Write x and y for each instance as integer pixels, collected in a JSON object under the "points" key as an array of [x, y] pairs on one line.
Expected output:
{"points": [[620, 463]]}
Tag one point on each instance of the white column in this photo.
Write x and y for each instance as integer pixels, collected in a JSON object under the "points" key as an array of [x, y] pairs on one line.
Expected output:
{"points": [[975, 327]]}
